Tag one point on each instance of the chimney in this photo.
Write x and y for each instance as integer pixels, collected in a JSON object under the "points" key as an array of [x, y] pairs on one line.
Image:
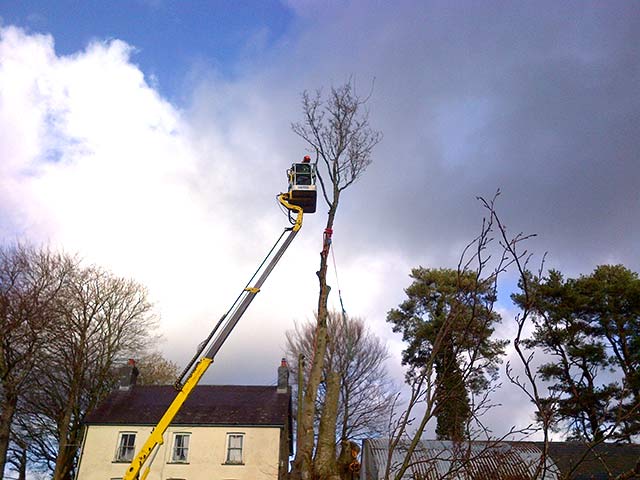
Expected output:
{"points": [[127, 375], [283, 377]]}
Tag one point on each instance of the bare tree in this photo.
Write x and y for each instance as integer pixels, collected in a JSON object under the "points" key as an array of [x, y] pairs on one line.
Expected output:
{"points": [[469, 310], [338, 132], [546, 398], [30, 282], [357, 356], [100, 320], [601, 303]]}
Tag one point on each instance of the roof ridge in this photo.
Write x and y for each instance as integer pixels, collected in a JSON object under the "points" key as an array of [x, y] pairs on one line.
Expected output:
{"points": [[209, 385], [207, 404]]}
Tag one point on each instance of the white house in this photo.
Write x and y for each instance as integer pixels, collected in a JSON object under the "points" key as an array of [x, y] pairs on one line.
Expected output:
{"points": [[222, 432]]}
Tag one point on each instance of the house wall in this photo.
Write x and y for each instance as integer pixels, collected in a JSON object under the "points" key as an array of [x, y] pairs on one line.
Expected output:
{"points": [[206, 458]]}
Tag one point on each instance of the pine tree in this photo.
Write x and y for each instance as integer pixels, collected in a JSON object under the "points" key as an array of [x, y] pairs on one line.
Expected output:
{"points": [[448, 316], [590, 325]]}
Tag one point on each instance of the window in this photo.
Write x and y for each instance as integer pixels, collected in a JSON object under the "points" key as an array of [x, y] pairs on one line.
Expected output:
{"points": [[126, 447], [234, 448], [180, 447]]}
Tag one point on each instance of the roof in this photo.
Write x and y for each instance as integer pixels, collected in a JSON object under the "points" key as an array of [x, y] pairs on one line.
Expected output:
{"points": [[434, 459], [503, 460], [207, 405], [604, 461]]}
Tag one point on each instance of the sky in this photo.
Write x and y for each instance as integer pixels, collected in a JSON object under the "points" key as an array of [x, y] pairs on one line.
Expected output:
{"points": [[151, 137]]}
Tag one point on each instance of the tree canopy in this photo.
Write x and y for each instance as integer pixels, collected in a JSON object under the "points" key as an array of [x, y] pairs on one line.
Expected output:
{"points": [[64, 330], [448, 319], [590, 325]]}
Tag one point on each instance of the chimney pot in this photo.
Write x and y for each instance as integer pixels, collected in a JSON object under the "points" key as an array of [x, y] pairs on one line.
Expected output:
{"points": [[283, 377], [128, 375]]}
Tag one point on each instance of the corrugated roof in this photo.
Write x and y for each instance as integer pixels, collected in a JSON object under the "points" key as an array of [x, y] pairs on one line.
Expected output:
{"points": [[603, 461], [435, 459], [207, 405]]}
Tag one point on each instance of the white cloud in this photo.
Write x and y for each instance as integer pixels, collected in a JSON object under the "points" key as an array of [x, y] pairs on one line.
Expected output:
{"points": [[183, 201], [92, 158], [96, 162]]}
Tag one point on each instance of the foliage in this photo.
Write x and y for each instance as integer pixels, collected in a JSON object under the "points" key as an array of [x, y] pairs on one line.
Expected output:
{"points": [[591, 327], [583, 323], [449, 315], [447, 322], [598, 287]]}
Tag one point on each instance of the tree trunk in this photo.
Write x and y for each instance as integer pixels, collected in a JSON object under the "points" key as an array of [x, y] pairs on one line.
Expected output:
{"points": [[68, 434], [348, 465], [343, 141], [63, 444], [65, 462], [453, 409], [6, 418], [325, 460], [346, 392], [22, 465], [303, 464]]}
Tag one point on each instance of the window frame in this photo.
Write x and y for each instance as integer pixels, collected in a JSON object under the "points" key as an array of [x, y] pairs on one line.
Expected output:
{"points": [[230, 448], [174, 458], [121, 448]]}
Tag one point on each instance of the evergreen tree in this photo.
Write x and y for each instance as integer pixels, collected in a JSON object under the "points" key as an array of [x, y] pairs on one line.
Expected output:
{"points": [[612, 305], [590, 325], [448, 316]]}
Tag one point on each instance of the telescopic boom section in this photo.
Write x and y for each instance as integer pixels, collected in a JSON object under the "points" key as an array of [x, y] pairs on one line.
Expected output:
{"points": [[214, 342]]}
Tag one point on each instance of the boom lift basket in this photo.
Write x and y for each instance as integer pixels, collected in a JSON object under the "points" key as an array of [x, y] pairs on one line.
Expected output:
{"points": [[302, 186]]}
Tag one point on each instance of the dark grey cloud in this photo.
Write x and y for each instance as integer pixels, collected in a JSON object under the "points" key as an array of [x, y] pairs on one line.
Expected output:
{"points": [[541, 100], [538, 99]]}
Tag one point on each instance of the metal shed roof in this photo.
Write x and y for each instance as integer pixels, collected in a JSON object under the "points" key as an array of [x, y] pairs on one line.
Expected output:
{"points": [[434, 459]]}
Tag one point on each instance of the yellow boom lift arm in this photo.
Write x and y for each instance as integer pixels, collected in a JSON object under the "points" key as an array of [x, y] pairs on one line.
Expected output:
{"points": [[300, 199]]}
